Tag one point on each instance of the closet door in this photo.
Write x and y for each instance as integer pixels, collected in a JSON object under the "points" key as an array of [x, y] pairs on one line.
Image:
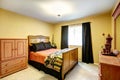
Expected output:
{"points": [[20, 48], [7, 49]]}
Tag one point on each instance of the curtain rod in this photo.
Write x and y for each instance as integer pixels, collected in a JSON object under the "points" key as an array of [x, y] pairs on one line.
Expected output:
{"points": [[76, 23], [80, 23]]}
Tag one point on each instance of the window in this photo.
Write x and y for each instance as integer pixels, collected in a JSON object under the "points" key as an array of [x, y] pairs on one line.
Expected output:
{"points": [[75, 35]]}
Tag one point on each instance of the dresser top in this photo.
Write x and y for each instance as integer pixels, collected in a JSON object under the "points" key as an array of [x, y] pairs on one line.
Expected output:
{"points": [[111, 60]]}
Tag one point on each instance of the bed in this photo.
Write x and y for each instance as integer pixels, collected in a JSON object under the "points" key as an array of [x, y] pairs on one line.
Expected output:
{"points": [[53, 61]]}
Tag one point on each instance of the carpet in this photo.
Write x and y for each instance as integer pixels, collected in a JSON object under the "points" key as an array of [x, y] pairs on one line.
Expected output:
{"points": [[82, 71], [48, 77]]}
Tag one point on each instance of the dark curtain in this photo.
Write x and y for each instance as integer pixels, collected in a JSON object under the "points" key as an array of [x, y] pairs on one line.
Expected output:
{"points": [[87, 53], [64, 37]]}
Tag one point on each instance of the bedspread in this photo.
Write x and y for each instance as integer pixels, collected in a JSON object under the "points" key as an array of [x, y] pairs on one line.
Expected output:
{"points": [[54, 61], [40, 56]]}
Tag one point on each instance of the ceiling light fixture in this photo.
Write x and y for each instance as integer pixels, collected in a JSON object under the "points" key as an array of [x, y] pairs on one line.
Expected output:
{"points": [[58, 15]]}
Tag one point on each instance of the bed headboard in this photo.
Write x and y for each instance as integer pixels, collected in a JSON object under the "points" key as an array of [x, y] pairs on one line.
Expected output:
{"points": [[37, 39]]}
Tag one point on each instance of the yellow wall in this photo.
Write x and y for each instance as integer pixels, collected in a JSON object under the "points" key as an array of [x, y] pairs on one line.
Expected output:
{"points": [[13, 25], [118, 33], [99, 24]]}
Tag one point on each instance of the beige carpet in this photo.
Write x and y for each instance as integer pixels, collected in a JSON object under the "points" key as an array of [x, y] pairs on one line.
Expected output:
{"points": [[82, 71]]}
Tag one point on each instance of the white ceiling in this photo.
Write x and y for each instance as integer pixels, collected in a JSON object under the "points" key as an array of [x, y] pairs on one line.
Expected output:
{"points": [[48, 10]]}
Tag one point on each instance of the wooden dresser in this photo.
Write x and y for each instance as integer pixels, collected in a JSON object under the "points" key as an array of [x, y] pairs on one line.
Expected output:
{"points": [[109, 67], [13, 55]]}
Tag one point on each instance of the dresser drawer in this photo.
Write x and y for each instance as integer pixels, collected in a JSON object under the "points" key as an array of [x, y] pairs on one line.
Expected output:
{"points": [[12, 63], [11, 69]]}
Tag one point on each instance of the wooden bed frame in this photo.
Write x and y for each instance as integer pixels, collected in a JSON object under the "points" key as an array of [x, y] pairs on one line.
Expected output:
{"points": [[70, 56]]}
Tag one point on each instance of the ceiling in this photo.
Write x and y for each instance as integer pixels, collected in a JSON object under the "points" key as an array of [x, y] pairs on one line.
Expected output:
{"points": [[54, 11]]}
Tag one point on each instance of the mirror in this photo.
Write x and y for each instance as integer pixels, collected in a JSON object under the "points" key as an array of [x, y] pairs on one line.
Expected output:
{"points": [[116, 16]]}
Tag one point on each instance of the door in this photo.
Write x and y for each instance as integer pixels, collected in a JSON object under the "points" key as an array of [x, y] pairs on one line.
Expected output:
{"points": [[20, 47], [7, 49]]}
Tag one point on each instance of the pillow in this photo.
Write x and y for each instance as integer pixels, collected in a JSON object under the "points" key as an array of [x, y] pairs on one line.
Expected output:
{"points": [[48, 45], [38, 46], [31, 48]]}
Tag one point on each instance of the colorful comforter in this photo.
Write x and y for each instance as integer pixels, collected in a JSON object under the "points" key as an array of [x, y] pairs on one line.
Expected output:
{"points": [[54, 61]]}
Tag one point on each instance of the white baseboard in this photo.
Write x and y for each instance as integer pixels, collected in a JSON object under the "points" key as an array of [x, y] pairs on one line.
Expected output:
{"points": [[96, 63]]}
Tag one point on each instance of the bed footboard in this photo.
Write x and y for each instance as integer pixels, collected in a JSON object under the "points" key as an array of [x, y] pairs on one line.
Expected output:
{"points": [[70, 59]]}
